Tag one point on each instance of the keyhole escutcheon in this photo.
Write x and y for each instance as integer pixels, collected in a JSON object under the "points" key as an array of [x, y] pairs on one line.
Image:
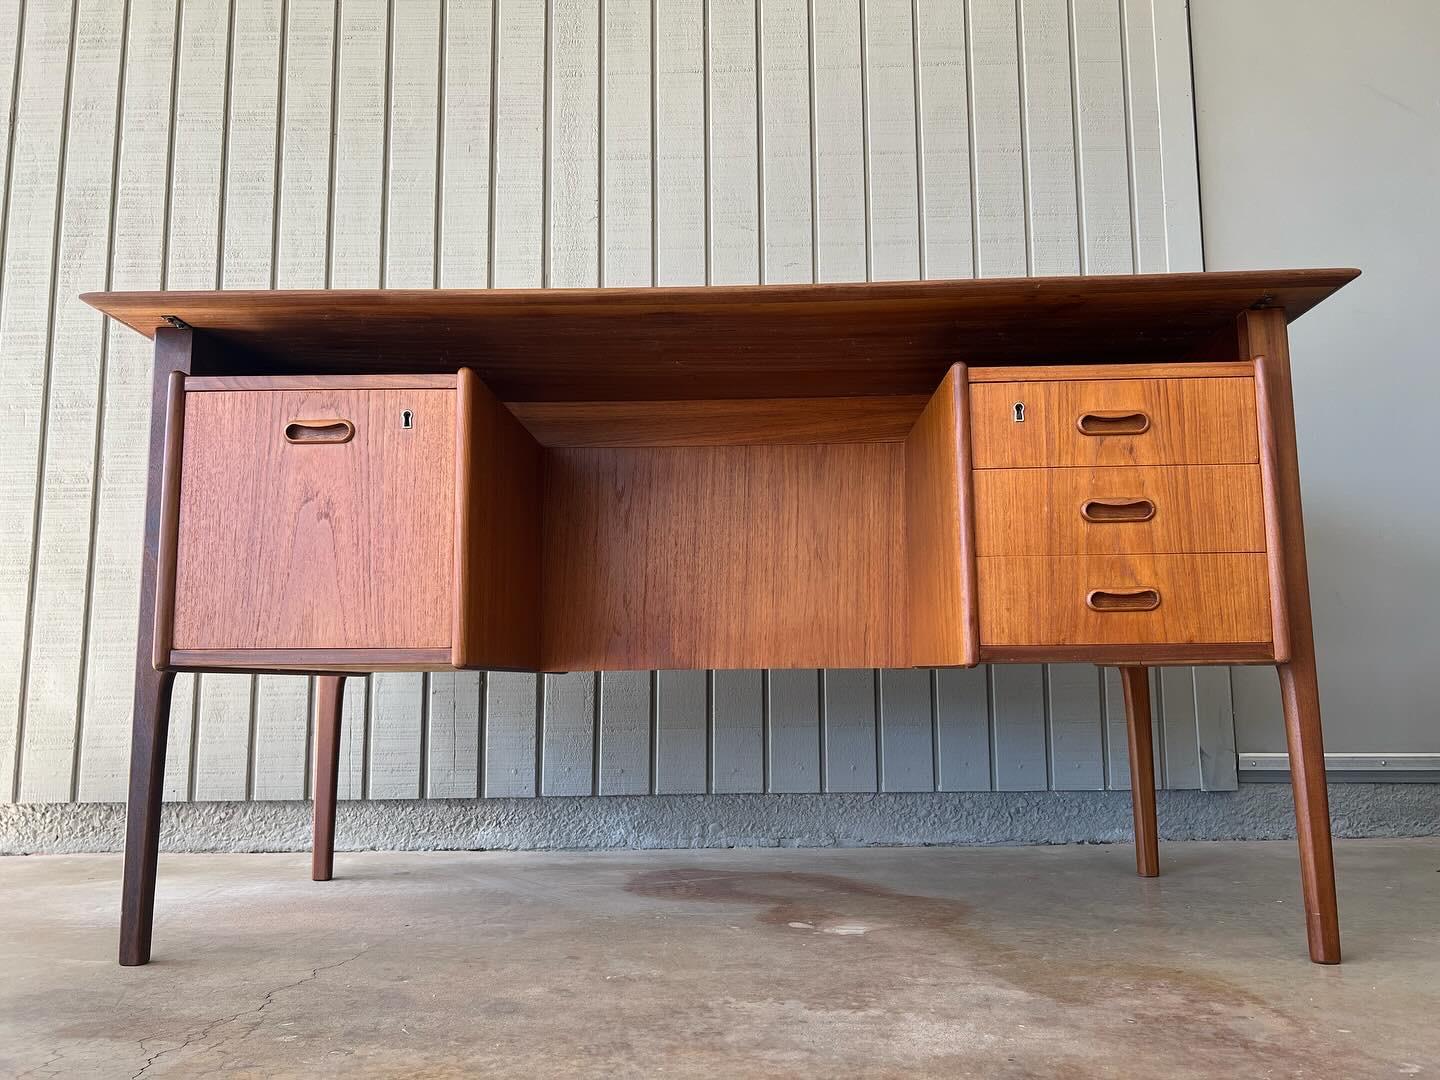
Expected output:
{"points": [[1019, 412], [407, 419]]}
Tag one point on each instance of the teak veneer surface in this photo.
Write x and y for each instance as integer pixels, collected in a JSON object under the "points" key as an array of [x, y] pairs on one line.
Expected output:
{"points": [[724, 557], [720, 421], [939, 530], [1040, 600], [325, 545], [1191, 422], [1196, 508], [729, 342]]}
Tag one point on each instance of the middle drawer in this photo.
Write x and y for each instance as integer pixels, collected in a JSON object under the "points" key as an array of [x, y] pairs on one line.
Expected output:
{"points": [[1118, 510]]}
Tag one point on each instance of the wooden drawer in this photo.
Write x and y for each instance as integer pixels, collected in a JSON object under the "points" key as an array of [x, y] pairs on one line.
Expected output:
{"points": [[1119, 510], [1179, 421], [316, 518], [1123, 599]]}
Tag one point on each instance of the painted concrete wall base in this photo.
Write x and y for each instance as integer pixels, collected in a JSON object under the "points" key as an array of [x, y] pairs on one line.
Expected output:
{"points": [[1255, 812]]}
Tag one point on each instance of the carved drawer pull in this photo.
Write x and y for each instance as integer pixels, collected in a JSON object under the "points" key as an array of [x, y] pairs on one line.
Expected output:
{"points": [[1123, 599], [319, 431], [1113, 423], [1100, 511]]}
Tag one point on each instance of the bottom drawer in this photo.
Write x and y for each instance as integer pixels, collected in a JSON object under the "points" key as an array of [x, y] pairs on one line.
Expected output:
{"points": [[1124, 599]]}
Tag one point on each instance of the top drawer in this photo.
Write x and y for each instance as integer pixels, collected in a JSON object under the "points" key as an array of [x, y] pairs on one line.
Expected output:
{"points": [[1181, 421]]}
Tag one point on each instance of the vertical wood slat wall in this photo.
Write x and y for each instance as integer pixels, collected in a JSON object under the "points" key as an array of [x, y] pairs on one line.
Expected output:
{"points": [[466, 143]]}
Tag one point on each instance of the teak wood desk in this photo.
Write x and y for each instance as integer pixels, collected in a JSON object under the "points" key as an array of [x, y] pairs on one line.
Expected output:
{"points": [[885, 475]]}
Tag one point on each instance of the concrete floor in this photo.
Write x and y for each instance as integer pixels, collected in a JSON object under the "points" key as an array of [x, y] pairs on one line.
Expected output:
{"points": [[1053, 962]]}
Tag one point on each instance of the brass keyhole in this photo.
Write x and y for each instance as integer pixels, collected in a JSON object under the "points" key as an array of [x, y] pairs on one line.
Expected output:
{"points": [[1019, 408]]}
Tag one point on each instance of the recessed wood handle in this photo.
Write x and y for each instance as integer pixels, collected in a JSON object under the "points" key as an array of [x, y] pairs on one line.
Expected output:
{"points": [[319, 431], [1123, 599], [1104, 510], [1113, 423]]}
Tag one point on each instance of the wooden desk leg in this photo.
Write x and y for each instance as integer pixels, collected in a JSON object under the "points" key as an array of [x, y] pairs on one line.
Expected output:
{"points": [[1136, 683], [1262, 337], [150, 730], [1301, 699], [329, 697], [150, 726]]}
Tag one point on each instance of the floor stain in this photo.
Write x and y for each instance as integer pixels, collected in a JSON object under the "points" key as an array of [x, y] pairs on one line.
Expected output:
{"points": [[1219, 1021]]}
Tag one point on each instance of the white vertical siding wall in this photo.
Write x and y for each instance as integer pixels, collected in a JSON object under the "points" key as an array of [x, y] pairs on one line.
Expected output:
{"points": [[467, 143]]}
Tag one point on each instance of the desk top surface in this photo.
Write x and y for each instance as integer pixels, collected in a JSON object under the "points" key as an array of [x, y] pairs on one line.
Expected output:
{"points": [[724, 341]]}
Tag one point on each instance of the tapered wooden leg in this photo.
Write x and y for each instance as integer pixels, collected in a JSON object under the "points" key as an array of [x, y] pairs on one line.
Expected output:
{"points": [[1136, 683], [151, 721], [1262, 338], [329, 696], [142, 822], [1301, 699]]}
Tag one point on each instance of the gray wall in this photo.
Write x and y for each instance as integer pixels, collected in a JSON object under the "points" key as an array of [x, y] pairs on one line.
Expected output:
{"points": [[1319, 139], [294, 143]]}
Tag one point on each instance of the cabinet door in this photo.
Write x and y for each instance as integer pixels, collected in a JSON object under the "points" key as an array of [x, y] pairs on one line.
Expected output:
{"points": [[316, 519]]}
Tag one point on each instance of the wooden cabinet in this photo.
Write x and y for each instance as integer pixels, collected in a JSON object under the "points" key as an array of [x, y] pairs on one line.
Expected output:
{"points": [[348, 523], [316, 518], [1120, 511]]}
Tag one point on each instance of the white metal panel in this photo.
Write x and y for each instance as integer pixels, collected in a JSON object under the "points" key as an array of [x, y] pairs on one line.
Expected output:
{"points": [[943, 110], [573, 162], [624, 731], [681, 185], [996, 154], [50, 711], [962, 729], [568, 753], [891, 181], [838, 143], [907, 733], [41, 88], [737, 731], [137, 262], [849, 730], [626, 218], [679, 141], [682, 703], [732, 155], [793, 732], [1074, 697], [786, 220]]}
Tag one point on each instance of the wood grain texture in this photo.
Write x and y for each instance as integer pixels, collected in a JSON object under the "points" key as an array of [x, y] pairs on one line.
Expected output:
{"points": [[1135, 682], [174, 354], [1272, 485], [1194, 508], [1190, 422], [1194, 369], [1257, 652], [1030, 600], [1263, 335], [740, 341], [727, 557], [940, 563], [313, 661], [497, 486], [288, 546], [169, 539], [720, 422]]}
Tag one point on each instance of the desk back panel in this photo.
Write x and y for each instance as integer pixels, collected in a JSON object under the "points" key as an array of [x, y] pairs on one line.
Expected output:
{"points": [[724, 557]]}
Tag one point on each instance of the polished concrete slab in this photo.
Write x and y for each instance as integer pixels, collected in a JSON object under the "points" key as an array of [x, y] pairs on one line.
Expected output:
{"points": [[953, 962]]}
